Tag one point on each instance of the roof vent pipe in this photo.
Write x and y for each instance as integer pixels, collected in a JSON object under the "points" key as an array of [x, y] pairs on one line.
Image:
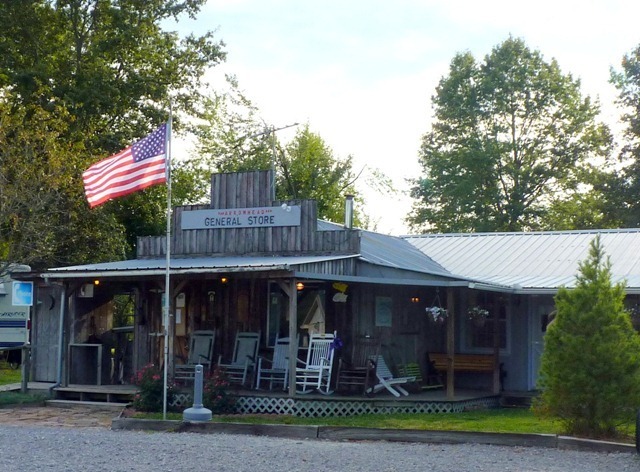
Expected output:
{"points": [[348, 212]]}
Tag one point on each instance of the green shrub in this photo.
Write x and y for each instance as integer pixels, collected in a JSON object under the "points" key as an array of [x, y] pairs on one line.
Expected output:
{"points": [[590, 367], [150, 383], [215, 393]]}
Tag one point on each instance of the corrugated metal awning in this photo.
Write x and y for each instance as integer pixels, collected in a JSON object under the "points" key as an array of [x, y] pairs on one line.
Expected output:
{"points": [[195, 265]]}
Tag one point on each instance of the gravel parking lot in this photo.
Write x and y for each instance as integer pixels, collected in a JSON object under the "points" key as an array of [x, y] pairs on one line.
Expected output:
{"points": [[64, 448]]}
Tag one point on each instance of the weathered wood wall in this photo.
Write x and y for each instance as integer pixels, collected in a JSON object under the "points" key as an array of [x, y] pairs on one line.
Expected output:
{"points": [[247, 190]]}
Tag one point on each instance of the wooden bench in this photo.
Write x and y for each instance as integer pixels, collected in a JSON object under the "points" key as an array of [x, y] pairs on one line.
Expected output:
{"points": [[482, 363], [463, 362]]}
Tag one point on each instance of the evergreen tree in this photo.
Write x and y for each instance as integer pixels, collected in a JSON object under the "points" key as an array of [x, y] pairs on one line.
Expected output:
{"points": [[590, 367]]}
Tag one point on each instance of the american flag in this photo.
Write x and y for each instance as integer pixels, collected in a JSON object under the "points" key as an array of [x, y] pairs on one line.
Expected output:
{"points": [[137, 167]]}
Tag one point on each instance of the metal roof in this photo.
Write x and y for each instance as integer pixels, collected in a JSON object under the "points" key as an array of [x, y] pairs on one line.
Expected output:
{"points": [[532, 262], [190, 265], [391, 251], [377, 249]]}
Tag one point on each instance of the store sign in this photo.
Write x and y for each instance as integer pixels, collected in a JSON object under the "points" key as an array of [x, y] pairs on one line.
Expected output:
{"points": [[259, 217]]}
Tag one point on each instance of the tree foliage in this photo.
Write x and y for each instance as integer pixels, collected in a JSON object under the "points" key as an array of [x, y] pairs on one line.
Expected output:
{"points": [[623, 192], [44, 219], [308, 169], [590, 367], [233, 139], [80, 80], [511, 135]]}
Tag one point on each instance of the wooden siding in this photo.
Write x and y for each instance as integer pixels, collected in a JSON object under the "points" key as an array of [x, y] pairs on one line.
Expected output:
{"points": [[246, 190], [241, 189], [337, 267]]}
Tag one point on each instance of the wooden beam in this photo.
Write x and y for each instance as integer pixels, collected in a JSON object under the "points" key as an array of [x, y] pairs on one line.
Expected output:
{"points": [[286, 287], [496, 348], [451, 343], [293, 333]]}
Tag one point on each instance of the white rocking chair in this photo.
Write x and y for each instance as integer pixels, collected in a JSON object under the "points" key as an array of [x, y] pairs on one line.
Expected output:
{"points": [[245, 354], [315, 373]]}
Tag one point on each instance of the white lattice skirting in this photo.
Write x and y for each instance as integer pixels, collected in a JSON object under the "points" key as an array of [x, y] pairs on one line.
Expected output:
{"points": [[318, 408]]}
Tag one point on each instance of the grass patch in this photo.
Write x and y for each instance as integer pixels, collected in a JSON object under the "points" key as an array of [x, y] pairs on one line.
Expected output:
{"points": [[16, 398], [501, 420], [495, 420], [9, 376]]}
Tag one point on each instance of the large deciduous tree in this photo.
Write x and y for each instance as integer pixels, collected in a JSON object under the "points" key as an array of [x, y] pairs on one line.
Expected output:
{"points": [[80, 80], [511, 135], [624, 191]]}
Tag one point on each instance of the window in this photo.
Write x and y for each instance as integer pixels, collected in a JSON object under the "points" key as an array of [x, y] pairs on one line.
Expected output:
{"points": [[479, 337]]}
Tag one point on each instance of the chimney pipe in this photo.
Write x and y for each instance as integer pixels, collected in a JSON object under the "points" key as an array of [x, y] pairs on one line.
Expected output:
{"points": [[348, 212]]}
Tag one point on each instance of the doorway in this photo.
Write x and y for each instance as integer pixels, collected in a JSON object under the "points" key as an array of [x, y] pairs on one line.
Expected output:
{"points": [[541, 312]]}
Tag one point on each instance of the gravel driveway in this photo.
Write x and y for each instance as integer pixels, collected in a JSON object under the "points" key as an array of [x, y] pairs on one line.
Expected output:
{"points": [[56, 448]]}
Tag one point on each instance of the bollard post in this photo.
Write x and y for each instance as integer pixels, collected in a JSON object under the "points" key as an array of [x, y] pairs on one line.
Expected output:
{"points": [[197, 412]]}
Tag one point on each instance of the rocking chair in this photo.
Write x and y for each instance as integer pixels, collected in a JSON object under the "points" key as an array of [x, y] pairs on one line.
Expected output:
{"points": [[245, 354], [315, 373], [358, 370], [200, 352], [275, 370]]}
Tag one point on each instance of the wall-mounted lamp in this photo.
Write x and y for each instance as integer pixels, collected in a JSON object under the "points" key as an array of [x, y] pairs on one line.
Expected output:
{"points": [[224, 280], [415, 299], [96, 282], [299, 286]]}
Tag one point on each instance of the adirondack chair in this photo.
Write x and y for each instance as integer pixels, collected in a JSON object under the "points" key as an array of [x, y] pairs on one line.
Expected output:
{"points": [[386, 380], [356, 370], [275, 370], [315, 373], [245, 355], [200, 352]]}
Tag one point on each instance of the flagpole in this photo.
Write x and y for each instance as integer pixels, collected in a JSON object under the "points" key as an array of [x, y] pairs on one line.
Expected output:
{"points": [[167, 287]]}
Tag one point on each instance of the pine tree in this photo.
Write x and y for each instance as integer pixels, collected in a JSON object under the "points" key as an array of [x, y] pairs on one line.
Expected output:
{"points": [[590, 367]]}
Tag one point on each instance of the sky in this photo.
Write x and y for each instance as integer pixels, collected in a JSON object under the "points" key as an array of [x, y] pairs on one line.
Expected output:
{"points": [[362, 73]]}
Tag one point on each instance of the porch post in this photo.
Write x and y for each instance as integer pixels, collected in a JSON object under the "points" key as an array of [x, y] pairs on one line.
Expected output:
{"points": [[293, 333], [496, 349], [450, 343]]}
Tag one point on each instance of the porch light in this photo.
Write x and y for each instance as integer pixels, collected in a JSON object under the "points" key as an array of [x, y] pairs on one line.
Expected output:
{"points": [[224, 280], [300, 286], [96, 282], [415, 299]]}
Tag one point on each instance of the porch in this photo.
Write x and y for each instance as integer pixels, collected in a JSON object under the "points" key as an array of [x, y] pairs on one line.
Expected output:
{"points": [[310, 405], [316, 405]]}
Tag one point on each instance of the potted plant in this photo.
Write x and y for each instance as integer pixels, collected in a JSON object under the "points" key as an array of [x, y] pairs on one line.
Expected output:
{"points": [[437, 313], [477, 315]]}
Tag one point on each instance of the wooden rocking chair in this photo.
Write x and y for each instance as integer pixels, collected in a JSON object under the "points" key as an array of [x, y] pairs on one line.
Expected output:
{"points": [[357, 371]]}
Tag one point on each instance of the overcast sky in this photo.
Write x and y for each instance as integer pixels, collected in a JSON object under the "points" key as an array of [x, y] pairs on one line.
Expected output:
{"points": [[361, 73]]}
